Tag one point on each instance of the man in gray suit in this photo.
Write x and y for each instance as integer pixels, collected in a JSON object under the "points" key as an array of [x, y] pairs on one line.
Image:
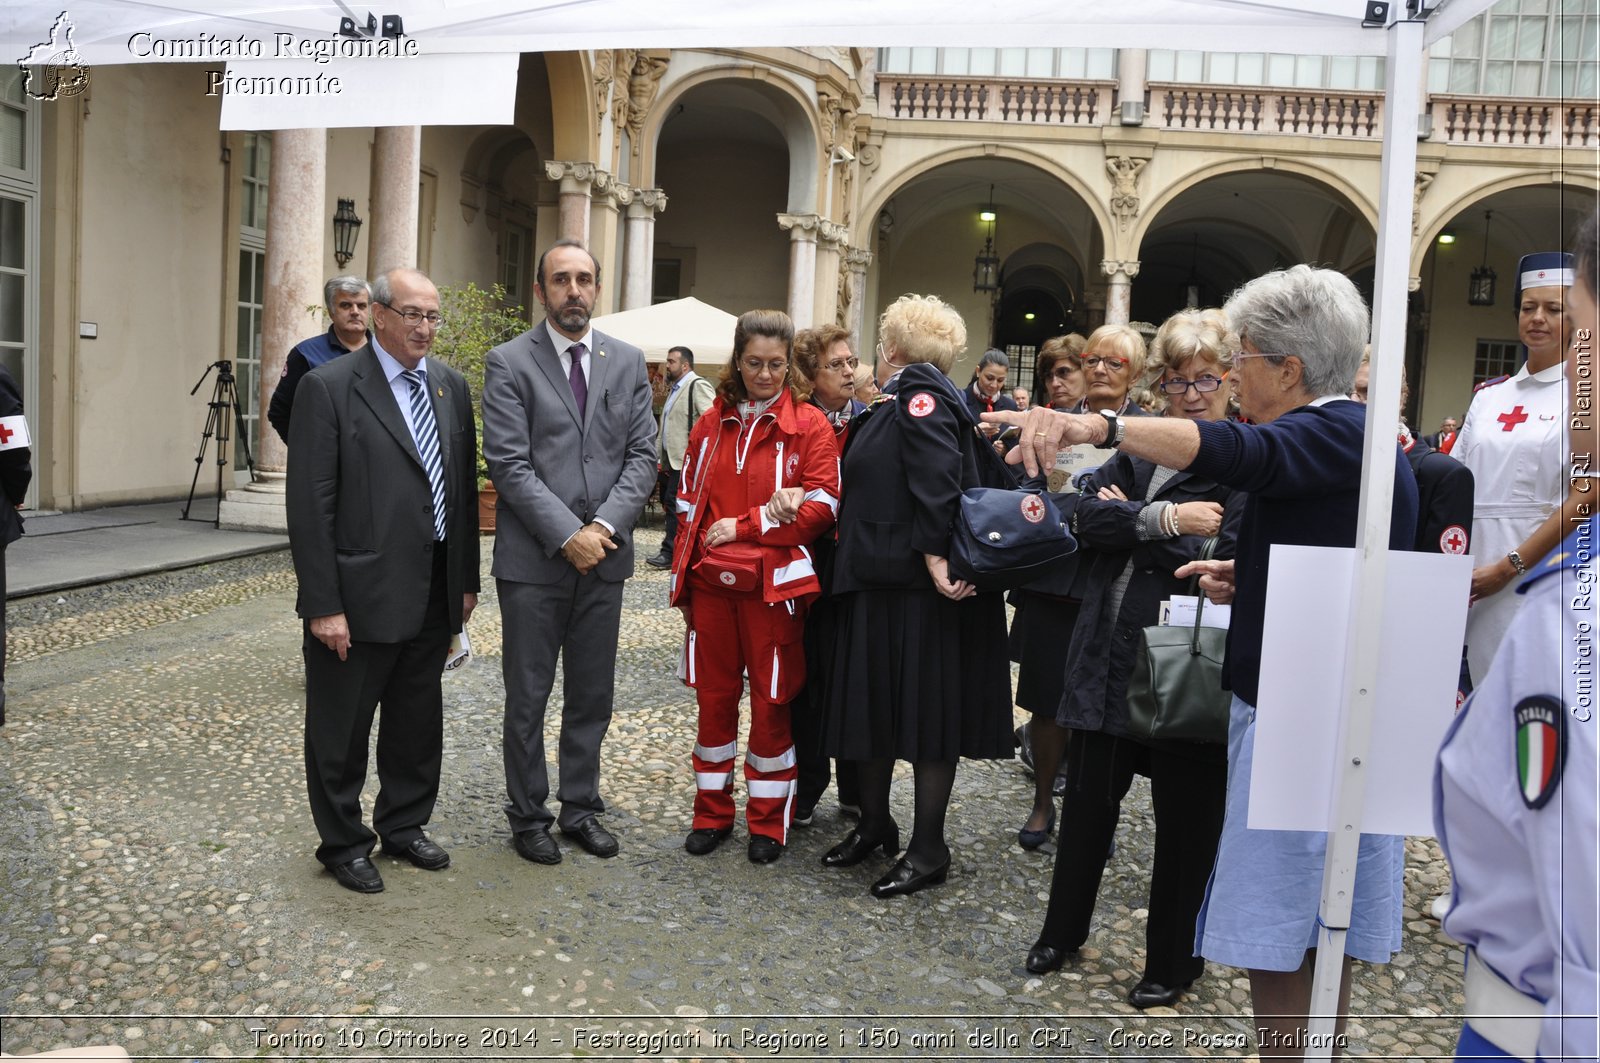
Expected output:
{"points": [[570, 440], [382, 508]]}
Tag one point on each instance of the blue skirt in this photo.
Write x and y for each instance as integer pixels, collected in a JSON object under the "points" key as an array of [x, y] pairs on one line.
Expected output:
{"points": [[1261, 904]]}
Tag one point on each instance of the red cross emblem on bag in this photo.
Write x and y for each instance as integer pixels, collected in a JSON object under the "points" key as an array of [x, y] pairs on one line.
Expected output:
{"points": [[1032, 509]]}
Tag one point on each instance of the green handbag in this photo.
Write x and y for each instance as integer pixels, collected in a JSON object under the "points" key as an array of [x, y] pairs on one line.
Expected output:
{"points": [[1175, 693]]}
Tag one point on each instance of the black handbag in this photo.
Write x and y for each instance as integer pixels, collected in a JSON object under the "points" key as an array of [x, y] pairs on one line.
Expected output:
{"points": [[1175, 692], [1004, 539]]}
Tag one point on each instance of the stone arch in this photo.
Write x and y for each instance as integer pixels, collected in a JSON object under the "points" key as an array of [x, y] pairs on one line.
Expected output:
{"points": [[801, 128], [577, 128], [1159, 201], [866, 221], [1435, 223]]}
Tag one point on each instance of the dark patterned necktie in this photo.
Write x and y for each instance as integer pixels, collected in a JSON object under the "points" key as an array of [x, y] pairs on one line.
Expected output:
{"points": [[427, 430], [580, 386]]}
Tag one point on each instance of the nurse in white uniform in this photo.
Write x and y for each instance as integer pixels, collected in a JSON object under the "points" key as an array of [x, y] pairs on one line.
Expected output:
{"points": [[1514, 441]]}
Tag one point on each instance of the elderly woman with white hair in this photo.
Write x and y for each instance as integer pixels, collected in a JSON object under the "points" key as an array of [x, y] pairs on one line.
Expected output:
{"points": [[1302, 331]]}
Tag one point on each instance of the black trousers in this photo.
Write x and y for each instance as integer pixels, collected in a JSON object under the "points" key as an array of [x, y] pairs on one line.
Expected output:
{"points": [[667, 480], [400, 680], [1189, 790], [809, 709]]}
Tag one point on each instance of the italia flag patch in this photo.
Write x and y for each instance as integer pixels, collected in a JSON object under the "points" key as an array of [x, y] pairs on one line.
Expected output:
{"points": [[1541, 748], [14, 432]]}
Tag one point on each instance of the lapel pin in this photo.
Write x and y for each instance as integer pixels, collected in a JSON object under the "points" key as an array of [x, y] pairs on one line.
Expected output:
{"points": [[440, 393]]}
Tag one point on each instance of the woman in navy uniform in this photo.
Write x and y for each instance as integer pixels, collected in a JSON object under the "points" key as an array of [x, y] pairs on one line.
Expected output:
{"points": [[920, 668]]}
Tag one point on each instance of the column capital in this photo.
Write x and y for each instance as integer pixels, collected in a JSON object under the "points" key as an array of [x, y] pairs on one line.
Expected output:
{"points": [[647, 203], [801, 227], [1111, 267], [578, 176], [831, 235], [857, 259]]}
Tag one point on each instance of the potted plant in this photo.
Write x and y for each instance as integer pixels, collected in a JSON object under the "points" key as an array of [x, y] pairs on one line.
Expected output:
{"points": [[476, 320]]}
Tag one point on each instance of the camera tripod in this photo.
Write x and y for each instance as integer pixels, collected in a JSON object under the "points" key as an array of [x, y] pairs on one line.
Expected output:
{"points": [[224, 397]]}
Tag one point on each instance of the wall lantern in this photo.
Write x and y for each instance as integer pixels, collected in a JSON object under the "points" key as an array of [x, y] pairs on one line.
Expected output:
{"points": [[346, 227]]}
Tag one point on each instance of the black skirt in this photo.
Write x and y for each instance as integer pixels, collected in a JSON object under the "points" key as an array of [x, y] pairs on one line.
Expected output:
{"points": [[1040, 634], [917, 676]]}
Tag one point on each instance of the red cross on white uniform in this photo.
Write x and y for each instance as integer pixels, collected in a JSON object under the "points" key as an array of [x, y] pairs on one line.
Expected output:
{"points": [[1512, 419], [1453, 540], [921, 404], [1033, 509]]}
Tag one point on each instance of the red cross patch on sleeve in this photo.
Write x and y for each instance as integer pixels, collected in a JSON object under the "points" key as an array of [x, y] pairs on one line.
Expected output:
{"points": [[1453, 540], [921, 404]]}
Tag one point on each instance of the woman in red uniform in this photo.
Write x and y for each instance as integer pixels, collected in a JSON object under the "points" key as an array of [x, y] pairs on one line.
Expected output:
{"points": [[744, 579]]}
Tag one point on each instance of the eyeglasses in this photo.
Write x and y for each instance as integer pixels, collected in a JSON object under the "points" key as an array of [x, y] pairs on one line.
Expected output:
{"points": [[1063, 372], [1205, 384], [1113, 365], [417, 317], [757, 368], [1258, 354], [846, 366]]}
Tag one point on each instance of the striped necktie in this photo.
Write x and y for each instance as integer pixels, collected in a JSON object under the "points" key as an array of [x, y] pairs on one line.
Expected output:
{"points": [[427, 433]]}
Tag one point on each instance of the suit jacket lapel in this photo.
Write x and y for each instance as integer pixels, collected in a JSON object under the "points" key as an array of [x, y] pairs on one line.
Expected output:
{"points": [[374, 389], [546, 358], [599, 374]]}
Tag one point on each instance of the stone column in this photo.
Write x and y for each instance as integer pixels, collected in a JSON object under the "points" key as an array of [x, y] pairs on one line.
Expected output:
{"points": [[577, 178], [640, 238], [802, 229], [831, 240], [1118, 289], [396, 161], [297, 224], [1132, 64], [605, 237], [856, 261]]}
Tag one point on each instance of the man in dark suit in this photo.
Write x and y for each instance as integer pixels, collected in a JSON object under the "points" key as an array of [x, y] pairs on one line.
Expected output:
{"points": [[16, 472], [570, 439], [382, 506]]}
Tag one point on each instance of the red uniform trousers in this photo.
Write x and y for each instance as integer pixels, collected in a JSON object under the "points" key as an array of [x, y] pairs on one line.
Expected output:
{"points": [[729, 638]]}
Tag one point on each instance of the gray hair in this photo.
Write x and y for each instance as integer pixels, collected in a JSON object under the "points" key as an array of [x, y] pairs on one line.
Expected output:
{"points": [[348, 282], [1317, 315]]}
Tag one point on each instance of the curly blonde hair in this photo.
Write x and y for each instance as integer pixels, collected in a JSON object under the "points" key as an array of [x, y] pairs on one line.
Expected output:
{"points": [[923, 328], [1191, 334]]}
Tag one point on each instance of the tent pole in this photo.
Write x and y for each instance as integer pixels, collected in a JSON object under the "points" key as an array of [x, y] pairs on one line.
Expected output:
{"points": [[1402, 103]]}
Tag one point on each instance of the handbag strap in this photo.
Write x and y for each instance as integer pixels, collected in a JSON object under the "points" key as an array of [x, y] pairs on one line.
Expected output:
{"points": [[1206, 550]]}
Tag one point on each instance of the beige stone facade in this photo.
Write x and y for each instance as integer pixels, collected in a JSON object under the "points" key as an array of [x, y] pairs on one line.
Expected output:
{"points": [[798, 178]]}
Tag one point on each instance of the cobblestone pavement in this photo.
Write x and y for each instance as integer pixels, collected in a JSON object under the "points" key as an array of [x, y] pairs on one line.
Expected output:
{"points": [[160, 891]]}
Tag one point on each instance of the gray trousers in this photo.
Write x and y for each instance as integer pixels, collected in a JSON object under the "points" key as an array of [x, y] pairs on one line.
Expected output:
{"points": [[578, 618]]}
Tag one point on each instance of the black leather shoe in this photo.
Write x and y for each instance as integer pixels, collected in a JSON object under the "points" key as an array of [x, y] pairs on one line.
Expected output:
{"points": [[659, 560], [422, 852], [358, 875], [1042, 958], [703, 840], [904, 878], [1155, 995], [592, 838], [536, 844], [764, 850], [857, 847]]}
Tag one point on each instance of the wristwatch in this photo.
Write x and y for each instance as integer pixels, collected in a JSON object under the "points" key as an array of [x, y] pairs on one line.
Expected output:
{"points": [[1516, 563], [1114, 430]]}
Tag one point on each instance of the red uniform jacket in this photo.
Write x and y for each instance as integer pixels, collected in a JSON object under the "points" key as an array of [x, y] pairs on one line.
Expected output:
{"points": [[791, 445]]}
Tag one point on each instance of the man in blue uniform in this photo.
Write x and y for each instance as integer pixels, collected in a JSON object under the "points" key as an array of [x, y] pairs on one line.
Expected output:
{"points": [[1515, 810], [347, 300]]}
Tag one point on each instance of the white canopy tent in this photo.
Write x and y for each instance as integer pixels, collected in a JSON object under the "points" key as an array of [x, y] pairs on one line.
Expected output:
{"points": [[701, 327], [105, 32]]}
